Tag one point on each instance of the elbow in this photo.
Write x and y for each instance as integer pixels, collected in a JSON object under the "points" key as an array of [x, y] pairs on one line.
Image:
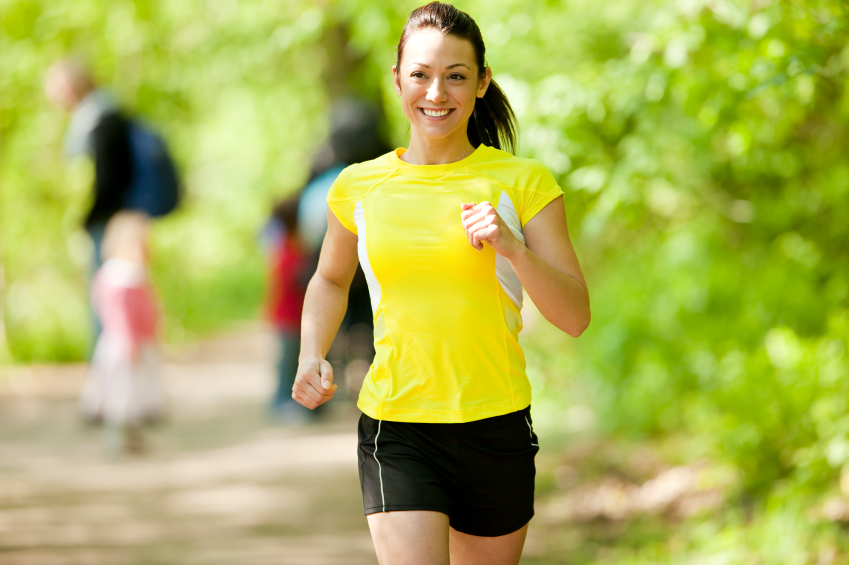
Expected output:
{"points": [[579, 321], [335, 283], [576, 327], [572, 315]]}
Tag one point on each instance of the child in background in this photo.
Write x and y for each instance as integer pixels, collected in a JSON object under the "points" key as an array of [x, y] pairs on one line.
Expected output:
{"points": [[288, 274], [122, 389]]}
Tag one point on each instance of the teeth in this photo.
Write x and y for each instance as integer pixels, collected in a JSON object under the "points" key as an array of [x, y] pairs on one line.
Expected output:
{"points": [[435, 113]]}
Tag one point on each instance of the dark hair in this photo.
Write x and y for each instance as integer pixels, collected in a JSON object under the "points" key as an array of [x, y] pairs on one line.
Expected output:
{"points": [[286, 212], [493, 122]]}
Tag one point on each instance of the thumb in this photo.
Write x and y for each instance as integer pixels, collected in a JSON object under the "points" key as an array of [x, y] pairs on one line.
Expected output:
{"points": [[326, 372], [465, 206]]}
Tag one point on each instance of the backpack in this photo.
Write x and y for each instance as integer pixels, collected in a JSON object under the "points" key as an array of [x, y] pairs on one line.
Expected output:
{"points": [[155, 186]]}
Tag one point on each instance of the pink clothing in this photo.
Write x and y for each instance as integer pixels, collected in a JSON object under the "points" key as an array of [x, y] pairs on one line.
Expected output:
{"points": [[123, 382], [125, 302]]}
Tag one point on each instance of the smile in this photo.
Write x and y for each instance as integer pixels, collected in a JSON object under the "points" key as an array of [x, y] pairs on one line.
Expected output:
{"points": [[436, 113]]}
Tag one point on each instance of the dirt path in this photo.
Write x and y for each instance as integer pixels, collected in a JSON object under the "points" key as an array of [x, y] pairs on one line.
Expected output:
{"points": [[221, 484]]}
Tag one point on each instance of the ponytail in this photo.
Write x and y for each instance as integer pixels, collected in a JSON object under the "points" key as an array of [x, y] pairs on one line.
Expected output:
{"points": [[493, 122]]}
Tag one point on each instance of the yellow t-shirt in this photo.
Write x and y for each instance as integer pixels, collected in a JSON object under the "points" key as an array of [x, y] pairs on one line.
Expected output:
{"points": [[446, 316]]}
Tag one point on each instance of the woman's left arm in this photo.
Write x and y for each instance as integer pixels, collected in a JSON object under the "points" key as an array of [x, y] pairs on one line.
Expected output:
{"points": [[546, 265]]}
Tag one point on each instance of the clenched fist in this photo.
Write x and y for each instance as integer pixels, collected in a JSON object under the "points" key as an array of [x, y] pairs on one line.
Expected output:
{"points": [[483, 224]]}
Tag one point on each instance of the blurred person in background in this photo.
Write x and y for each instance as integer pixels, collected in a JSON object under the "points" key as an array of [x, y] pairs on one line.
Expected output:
{"points": [[100, 130], [133, 169], [355, 136], [448, 232], [287, 281], [122, 389]]}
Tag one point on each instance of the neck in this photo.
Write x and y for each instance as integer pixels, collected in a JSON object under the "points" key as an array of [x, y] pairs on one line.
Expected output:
{"points": [[80, 95], [426, 151]]}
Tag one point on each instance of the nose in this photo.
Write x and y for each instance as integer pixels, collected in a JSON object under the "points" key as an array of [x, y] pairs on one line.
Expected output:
{"points": [[436, 92]]}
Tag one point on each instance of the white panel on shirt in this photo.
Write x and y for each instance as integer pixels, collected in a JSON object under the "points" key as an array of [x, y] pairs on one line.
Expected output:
{"points": [[503, 270], [373, 285]]}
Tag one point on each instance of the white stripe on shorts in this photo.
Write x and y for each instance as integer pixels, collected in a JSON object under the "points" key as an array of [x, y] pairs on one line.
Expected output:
{"points": [[379, 468], [530, 430]]}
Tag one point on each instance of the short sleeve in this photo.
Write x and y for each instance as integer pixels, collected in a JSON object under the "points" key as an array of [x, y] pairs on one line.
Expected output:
{"points": [[536, 191], [342, 198]]}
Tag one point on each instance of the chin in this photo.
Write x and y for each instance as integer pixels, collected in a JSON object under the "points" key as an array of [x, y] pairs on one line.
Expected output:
{"points": [[436, 133]]}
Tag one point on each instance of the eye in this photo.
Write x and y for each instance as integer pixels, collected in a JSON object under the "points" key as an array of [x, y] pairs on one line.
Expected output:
{"points": [[417, 74], [456, 76]]}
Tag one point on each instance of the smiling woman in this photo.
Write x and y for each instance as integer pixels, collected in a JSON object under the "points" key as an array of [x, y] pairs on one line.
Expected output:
{"points": [[439, 84], [461, 84], [448, 232]]}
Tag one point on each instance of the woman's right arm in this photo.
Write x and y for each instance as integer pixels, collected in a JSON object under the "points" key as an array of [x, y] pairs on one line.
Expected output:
{"points": [[324, 307]]}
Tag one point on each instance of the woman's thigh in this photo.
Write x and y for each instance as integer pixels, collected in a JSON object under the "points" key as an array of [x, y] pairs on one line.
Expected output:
{"points": [[414, 537], [466, 549], [420, 537]]}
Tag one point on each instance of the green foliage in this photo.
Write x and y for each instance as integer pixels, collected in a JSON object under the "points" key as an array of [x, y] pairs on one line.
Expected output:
{"points": [[706, 166], [783, 535], [236, 90]]}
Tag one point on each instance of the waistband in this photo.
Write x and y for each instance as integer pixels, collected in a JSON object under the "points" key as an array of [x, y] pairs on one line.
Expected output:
{"points": [[522, 416]]}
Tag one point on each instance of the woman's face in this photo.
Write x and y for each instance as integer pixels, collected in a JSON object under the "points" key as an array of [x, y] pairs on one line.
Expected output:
{"points": [[438, 82]]}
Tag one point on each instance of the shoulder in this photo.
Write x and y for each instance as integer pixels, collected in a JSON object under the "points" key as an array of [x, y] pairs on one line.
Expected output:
{"points": [[515, 172], [357, 180], [110, 129], [112, 120]]}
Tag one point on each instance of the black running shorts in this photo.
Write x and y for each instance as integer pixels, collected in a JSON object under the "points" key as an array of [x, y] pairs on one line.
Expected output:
{"points": [[481, 474]]}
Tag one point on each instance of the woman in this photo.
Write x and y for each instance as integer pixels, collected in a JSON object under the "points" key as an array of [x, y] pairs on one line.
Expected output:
{"points": [[448, 232]]}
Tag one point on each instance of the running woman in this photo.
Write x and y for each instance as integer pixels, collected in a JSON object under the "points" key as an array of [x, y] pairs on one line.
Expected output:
{"points": [[448, 233]]}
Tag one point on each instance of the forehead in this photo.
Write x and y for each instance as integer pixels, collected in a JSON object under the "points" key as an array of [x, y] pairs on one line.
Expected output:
{"points": [[431, 47]]}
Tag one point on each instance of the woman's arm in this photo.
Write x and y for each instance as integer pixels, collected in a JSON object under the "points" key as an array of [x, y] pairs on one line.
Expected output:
{"points": [[324, 307], [546, 266]]}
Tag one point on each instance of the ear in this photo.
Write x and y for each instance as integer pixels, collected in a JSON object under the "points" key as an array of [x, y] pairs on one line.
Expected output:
{"points": [[484, 82], [397, 80]]}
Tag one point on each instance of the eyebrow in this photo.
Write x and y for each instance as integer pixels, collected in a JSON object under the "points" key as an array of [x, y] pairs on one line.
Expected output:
{"points": [[448, 67]]}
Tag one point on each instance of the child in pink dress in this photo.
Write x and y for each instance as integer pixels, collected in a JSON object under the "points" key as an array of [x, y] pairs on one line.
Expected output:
{"points": [[123, 384]]}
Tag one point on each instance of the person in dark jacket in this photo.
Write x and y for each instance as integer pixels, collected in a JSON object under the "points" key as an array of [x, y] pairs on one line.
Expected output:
{"points": [[100, 130]]}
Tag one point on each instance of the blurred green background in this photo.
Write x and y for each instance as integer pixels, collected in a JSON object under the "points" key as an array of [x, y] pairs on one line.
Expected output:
{"points": [[702, 146]]}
